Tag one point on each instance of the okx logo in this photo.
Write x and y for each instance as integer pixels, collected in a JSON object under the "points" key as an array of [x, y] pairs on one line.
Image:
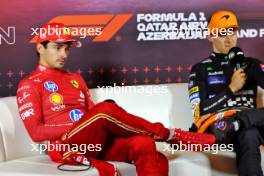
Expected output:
{"points": [[101, 28]]}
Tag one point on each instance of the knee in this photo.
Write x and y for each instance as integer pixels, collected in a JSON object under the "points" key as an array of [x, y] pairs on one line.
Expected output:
{"points": [[109, 101], [250, 136], [143, 144], [107, 106], [163, 164]]}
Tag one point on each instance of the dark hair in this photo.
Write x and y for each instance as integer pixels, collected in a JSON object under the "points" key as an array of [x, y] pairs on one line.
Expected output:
{"points": [[44, 45]]}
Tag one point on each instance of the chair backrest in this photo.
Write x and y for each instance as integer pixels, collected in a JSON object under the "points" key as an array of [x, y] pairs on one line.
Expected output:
{"points": [[2, 149], [166, 103], [16, 140]]}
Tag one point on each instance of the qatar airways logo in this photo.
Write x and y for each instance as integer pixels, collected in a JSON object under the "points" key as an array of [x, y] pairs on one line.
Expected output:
{"points": [[8, 35]]}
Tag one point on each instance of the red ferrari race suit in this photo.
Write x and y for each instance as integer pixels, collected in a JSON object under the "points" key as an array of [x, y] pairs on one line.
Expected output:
{"points": [[54, 102]]}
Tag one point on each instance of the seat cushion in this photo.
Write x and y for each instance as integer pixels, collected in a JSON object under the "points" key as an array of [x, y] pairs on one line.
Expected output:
{"points": [[16, 140], [180, 164]]}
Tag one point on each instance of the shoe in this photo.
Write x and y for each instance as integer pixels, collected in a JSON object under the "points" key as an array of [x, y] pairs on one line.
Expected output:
{"points": [[185, 137]]}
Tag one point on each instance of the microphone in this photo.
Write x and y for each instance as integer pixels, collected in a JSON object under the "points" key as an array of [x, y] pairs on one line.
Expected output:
{"points": [[237, 58]]}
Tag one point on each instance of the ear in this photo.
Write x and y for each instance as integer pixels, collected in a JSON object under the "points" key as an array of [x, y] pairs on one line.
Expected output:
{"points": [[40, 48], [209, 38]]}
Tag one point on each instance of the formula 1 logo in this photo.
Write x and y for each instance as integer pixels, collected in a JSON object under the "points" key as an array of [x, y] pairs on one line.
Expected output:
{"points": [[106, 25], [76, 115]]}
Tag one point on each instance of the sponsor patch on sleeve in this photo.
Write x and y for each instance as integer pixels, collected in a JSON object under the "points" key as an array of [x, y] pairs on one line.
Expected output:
{"points": [[192, 75], [194, 96], [195, 104], [221, 125], [194, 90], [21, 99], [216, 80], [262, 67], [190, 85], [27, 113]]}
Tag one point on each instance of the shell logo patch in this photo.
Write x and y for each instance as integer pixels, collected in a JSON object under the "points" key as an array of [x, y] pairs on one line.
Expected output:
{"points": [[56, 98], [75, 84]]}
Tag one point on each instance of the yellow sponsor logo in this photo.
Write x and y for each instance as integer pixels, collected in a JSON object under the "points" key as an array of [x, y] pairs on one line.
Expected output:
{"points": [[56, 98], [197, 111], [194, 90], [75, 84]]}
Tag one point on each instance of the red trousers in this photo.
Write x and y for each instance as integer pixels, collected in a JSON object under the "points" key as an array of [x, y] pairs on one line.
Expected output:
{"points": [[122, 137]]}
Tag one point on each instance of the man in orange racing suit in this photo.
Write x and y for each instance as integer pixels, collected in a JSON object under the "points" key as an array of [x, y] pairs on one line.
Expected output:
{"points": [[55, 105]]}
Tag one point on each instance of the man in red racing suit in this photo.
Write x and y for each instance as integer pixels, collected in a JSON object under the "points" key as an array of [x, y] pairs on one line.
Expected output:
{"points": [[55, 105]]}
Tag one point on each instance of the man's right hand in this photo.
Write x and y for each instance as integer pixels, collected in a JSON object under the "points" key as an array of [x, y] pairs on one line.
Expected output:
{"points": [[238, 80]]}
